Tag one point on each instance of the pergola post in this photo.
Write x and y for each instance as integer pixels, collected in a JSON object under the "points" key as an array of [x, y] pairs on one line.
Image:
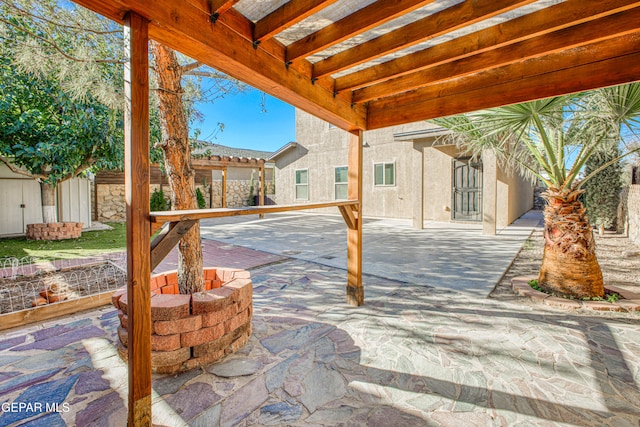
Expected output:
{"points": [[224, 187], [261, 189], [355, 291], [138, 220]]}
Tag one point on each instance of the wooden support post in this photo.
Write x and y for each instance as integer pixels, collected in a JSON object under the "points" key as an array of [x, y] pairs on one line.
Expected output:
{"points": [[138, 220], [166, 240], [355, 291], [261, 190], [224, 187]]}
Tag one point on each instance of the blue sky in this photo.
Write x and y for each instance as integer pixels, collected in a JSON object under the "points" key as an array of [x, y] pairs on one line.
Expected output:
{"points": [[246, 125]]}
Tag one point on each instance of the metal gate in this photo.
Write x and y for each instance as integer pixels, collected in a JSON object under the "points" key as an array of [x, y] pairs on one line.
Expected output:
{"points": [[467, 190]]}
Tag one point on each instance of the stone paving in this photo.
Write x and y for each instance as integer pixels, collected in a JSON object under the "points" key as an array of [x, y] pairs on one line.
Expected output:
{"points": [[414, 355]]}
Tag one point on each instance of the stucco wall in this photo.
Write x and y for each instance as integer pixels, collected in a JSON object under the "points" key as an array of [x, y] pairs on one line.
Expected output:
{"points": [[515, 197], [322, 148]]}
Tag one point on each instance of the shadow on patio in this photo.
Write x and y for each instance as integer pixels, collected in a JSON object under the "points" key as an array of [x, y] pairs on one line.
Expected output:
{"points": [[413, 355]]}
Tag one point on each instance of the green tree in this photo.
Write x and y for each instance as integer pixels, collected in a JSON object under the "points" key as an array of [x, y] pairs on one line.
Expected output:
{"points": [[84, 52], [552, 140], [49, 136]]}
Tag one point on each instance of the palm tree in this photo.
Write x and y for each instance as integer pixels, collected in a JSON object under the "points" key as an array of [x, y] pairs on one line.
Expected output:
{"points": [[551, 140]]}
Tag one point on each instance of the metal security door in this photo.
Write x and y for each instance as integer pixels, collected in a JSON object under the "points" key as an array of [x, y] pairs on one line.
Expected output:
{"points": [[467, 190]]}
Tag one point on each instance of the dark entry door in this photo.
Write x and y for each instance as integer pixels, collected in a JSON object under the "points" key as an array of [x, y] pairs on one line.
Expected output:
{"points": [[467, 190]]}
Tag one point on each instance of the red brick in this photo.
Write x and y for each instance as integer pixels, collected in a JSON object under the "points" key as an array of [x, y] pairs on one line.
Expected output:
{"points": [[244, 294], [116, 296], [172, 278], [123, 303], [238, 320], [216, 284], [221, 346], [600, 306], [153, 284], [210, 274], [170, 327], [124, 319], [170, 358], [206, 302], [629, 305], [189, 339], [123, 335], [169, 307], [562, 303], [214, 317], [169, 369], [161, 280], [165, 342]]}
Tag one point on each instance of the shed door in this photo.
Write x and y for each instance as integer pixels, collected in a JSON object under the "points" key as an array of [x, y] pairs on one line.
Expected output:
{"points": [[467, 190], [20, 205]]}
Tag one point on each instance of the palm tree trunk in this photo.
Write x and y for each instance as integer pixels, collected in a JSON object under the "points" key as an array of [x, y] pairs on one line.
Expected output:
{"points": [[177, 155], [569, 264]]}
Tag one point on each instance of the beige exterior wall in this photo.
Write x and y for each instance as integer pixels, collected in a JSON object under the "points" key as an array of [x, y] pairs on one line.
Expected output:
{"points": [[322, 148]]}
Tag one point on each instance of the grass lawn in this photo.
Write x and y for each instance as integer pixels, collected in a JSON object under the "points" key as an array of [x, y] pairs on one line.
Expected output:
{"points": [[91, 243]]}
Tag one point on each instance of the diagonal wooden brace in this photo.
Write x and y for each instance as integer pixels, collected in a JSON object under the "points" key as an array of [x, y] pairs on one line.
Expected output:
{"points": [[168, 238], [349, 214]]}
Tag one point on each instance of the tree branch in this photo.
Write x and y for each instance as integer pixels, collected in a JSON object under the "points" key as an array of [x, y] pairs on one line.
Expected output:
{"points": [[19, 171], [59, 25], [190, 67], [58, 49]]}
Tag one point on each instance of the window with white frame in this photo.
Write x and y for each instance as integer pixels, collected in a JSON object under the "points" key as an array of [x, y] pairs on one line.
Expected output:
{"points": [[302, 184], [384, 174], [341, 176]]}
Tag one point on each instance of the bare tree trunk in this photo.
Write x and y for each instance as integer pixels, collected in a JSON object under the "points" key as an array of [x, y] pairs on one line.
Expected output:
{"points": [[48, 197], [569, 264], [177, 155]]}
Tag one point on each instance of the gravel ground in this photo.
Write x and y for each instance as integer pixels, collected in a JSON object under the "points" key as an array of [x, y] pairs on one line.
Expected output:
{"points": [[619, 260]]}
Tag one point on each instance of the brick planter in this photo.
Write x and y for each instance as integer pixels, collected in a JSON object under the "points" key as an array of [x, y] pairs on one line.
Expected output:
{"points": [[54, 231], [192, 330]]}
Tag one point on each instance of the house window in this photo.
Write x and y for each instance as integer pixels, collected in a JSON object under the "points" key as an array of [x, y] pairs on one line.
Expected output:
{"points": [[302, 184], [384, 174], [341, 175]]}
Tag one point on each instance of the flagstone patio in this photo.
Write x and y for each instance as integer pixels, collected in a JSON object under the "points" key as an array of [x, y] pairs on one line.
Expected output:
{"points": [[415, 354]]}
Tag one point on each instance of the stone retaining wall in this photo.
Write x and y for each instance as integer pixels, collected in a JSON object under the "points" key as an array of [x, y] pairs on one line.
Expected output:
{"points": [[54, 231], [192, 330], [111, 206]]}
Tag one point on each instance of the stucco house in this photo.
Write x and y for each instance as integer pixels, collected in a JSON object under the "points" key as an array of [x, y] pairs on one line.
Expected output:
{"points": [[409, 172]]}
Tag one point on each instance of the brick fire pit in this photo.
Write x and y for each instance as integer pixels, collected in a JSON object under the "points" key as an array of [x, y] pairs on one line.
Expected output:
{"points": [[192, 330], [54, 231]]}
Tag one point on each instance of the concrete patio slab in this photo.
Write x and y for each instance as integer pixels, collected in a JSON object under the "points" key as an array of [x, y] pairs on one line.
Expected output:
{"points": [[444, 255]]}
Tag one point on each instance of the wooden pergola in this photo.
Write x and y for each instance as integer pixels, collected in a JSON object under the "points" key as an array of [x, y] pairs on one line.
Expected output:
{"points": [[358, 64]]}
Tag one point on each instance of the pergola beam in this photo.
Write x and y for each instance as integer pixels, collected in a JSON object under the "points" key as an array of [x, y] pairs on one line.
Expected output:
{"points": [[185, 27], [605, 63], [453, 18], [589, 32], [286, 16], [515, 30], [362, 20]]}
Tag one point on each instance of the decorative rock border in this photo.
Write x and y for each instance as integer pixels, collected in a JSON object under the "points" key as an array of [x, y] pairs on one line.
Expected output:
{"points": [[630, 301], [54, 231], [192, 330]]}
